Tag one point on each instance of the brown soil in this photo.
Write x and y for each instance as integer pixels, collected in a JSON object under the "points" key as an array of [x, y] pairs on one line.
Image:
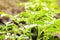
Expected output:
{"points": [[10, 6]]}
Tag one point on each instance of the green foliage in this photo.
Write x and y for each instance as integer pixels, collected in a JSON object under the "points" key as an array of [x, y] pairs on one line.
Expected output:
{"points": [[38, 19]]}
